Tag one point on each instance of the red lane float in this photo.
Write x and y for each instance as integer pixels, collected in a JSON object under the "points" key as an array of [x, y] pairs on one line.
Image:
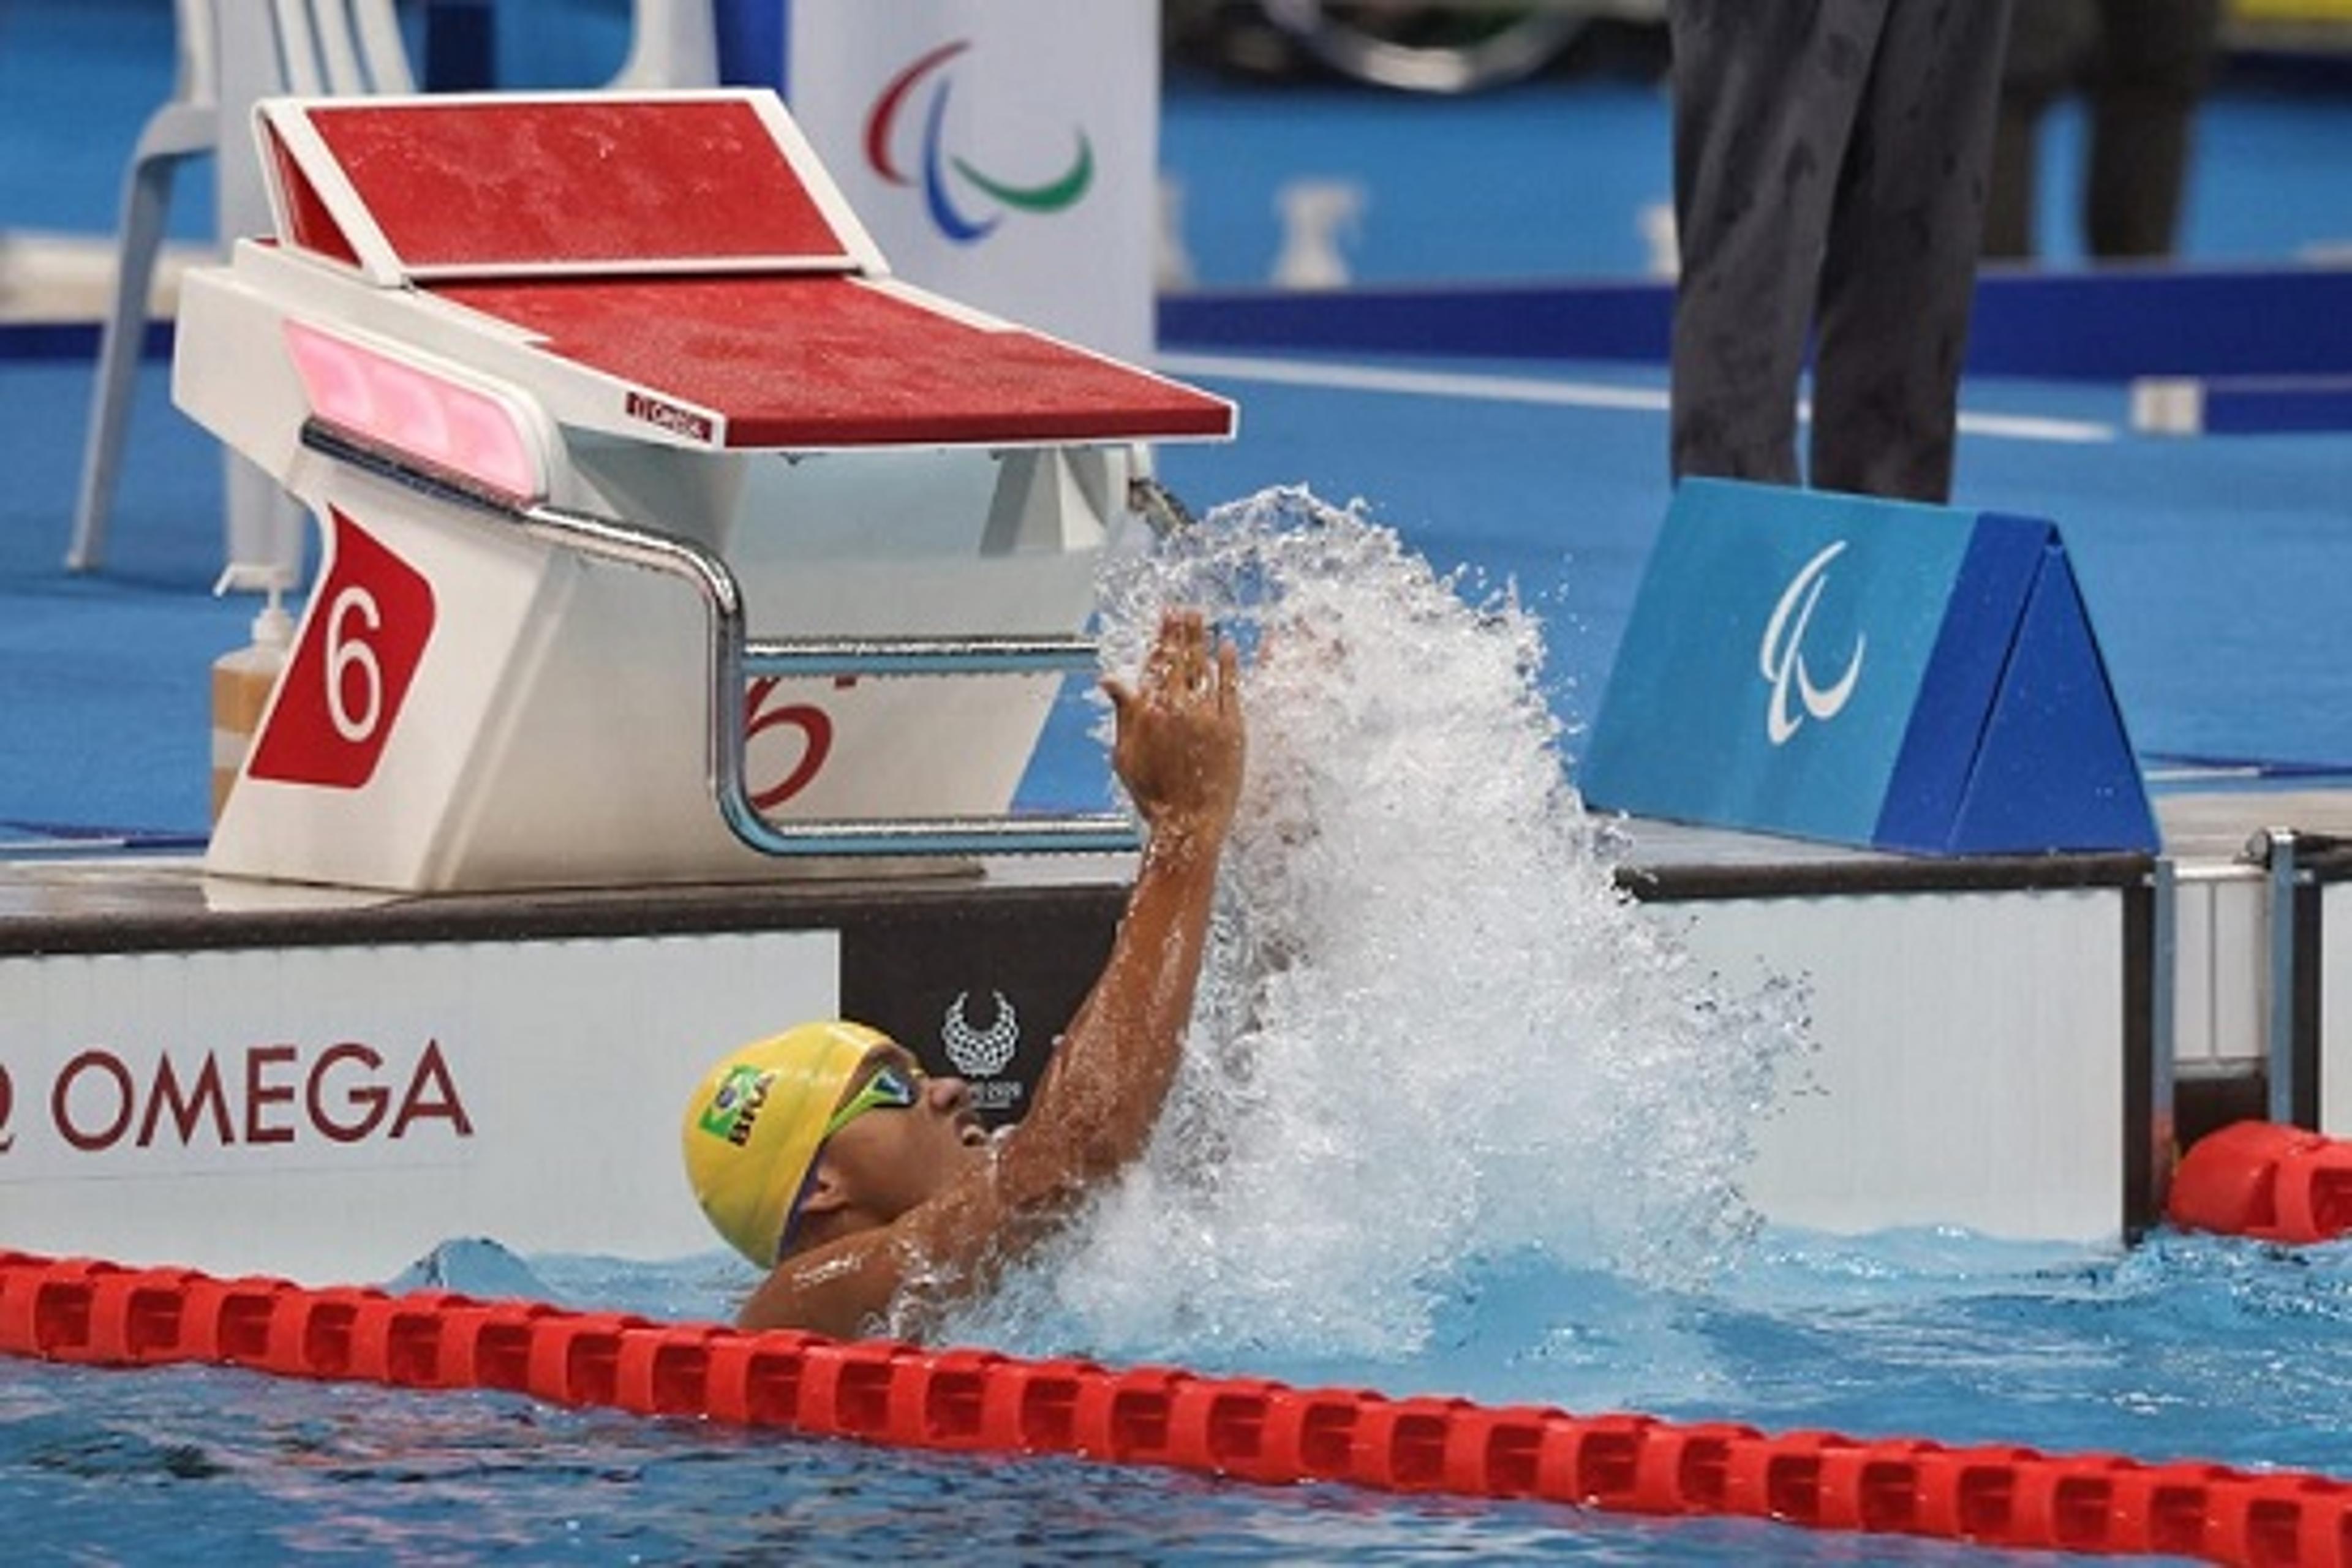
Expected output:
{"points": [[2261, 1180], [90, 1313]]}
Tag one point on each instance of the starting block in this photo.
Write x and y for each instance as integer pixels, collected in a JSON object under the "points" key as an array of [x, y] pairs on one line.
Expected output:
{"points": [[1868, 672], [592, 396]]}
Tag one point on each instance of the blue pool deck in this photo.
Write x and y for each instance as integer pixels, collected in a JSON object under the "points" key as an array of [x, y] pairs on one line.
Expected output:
{"points": [[2212, 567]]}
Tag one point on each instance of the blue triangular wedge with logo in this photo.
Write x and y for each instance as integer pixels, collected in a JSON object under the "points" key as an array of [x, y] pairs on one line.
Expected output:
{"points": [[1867, 672]]}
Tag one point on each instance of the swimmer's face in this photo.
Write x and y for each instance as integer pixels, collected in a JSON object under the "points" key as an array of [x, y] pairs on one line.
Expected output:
{"points": [[892, 1158]]}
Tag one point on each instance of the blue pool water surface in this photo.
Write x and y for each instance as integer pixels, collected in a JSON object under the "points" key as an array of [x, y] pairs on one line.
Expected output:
{"points": [[2201, 1348]]}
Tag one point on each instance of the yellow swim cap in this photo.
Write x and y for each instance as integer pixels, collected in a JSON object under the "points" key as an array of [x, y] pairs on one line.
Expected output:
{"points": [[754, 1124]]}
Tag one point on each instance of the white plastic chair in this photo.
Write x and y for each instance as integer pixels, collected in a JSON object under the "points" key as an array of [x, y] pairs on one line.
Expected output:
{"points": [[232, 52], [321, 46], [347, 48], [187, 125]]}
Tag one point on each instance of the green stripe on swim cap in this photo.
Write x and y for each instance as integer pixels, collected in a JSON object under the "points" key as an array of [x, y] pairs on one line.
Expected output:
{"points": [[753, 1125]]}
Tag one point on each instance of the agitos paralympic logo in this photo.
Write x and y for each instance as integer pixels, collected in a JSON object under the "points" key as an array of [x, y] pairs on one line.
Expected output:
{"points": [[951, 183]]}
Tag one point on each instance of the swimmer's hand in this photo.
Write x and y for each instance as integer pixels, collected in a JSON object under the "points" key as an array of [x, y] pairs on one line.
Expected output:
{"points": [[1180, 745]]}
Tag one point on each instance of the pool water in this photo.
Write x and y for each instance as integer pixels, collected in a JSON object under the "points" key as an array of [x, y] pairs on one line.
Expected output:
{"points": [[1454, 1118], [2188, 1347]]}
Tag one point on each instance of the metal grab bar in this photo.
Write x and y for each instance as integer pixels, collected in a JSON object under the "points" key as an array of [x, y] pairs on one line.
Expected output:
{"points": [[920, 656], [734, 658]]}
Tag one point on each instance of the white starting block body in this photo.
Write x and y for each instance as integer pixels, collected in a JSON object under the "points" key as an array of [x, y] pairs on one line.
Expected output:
{"points": [[569, 381]]}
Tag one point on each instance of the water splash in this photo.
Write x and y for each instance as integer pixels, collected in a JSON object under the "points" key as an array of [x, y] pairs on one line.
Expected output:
{"points": [[1431, 1031]]}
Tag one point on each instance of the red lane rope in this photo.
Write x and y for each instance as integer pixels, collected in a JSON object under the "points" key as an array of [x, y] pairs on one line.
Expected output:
{"points": [[96, 1313], [2261, 1180]]}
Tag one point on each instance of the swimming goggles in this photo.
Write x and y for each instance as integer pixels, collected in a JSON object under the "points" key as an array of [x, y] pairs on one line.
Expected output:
{"points": [[898, 1089]]}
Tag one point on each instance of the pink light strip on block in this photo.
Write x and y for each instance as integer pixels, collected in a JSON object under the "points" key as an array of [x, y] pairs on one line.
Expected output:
{"points": [[418, 413]]}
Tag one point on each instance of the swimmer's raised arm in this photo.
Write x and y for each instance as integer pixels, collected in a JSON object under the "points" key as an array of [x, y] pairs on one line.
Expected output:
{"points": [[1179, 750]]}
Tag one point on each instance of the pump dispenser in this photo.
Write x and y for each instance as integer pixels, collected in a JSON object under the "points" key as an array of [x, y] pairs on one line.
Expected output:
{"points": [[243, 681]]}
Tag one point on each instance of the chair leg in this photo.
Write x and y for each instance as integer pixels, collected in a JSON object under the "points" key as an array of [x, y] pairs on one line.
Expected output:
{"points": [[263, 526], [146, 200]]}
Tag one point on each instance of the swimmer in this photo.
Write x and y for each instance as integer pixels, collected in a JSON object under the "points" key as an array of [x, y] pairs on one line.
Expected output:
{"points": [[825, 1155]]}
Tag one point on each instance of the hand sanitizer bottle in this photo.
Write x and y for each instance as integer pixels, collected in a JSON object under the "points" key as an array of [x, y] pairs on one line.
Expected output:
{"points": [[243, 680]]}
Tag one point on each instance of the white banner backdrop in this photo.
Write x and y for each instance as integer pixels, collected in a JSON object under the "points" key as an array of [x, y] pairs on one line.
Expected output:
{"points": [[1003, 153], [332, 1113]]}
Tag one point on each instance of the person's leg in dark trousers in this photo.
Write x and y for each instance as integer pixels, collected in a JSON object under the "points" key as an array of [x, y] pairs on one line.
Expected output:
{"points": [[2050, 46], [2153, 60], [1765, 94], [1900, 275]]}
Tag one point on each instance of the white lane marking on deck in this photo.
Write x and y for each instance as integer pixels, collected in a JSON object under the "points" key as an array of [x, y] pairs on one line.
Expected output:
{"points": [[1422, 382], [2030, 428], [2197, 775], [1551, 394]]}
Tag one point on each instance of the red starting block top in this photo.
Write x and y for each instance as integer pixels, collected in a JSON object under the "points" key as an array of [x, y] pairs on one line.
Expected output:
{"points": [[692, 248], [811, 362], [417, 188]]}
